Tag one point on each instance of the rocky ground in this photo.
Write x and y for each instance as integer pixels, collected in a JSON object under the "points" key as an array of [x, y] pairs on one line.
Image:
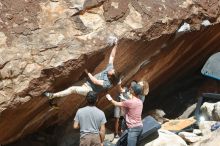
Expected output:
{"points": [[177, 132]]}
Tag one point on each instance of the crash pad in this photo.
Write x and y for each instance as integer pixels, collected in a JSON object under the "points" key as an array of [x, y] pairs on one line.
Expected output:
{"points": [[212, 67]]}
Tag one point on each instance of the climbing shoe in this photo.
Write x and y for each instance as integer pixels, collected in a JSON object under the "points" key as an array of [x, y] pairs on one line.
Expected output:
{"points": [[48, 94]]}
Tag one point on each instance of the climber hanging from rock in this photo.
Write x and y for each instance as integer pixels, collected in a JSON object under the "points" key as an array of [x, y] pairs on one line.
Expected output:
{"points": [[97, 83]]}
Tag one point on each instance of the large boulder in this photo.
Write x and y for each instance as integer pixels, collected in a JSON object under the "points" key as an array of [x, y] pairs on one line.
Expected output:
{"points": [[211, 111], [205, 127], [189, 137], [166, 138], [210, 140], [45, 45], [206, 110], [216, 111], [158, 114]]}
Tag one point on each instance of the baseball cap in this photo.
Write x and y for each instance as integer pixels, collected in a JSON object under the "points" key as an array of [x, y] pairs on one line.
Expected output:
{"points": [[136, 88]]}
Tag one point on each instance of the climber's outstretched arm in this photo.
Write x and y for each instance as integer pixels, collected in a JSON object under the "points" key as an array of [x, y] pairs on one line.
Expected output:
{"points": [[112, 55], [113, 52], [94, 80]]}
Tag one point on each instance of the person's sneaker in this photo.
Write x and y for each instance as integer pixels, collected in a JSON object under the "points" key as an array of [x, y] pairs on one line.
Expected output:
{"points": [[115, 138], [48, 94]]}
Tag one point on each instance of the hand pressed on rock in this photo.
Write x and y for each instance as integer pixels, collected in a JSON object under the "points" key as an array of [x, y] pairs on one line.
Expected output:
{"points": [[108, 96]]}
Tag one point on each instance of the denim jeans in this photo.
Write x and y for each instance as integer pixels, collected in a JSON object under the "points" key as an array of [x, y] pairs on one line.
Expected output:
{"points": [[133, 135]]}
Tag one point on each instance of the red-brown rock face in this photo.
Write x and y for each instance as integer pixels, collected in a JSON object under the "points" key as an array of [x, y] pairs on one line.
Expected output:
{"points": [[45, 46]]}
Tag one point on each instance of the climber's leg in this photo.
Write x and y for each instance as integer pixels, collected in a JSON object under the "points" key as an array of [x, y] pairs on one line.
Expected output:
{"points": [[81, 90]]}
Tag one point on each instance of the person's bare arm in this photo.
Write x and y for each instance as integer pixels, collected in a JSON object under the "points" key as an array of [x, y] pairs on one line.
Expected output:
{"points": [[116, 103], [112, 55], [94, 80], [76, 125], [102, 133], [113, 101]]}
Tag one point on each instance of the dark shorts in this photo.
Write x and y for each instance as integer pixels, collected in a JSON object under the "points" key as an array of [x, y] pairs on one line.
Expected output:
{"points": [[90, 139]]}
